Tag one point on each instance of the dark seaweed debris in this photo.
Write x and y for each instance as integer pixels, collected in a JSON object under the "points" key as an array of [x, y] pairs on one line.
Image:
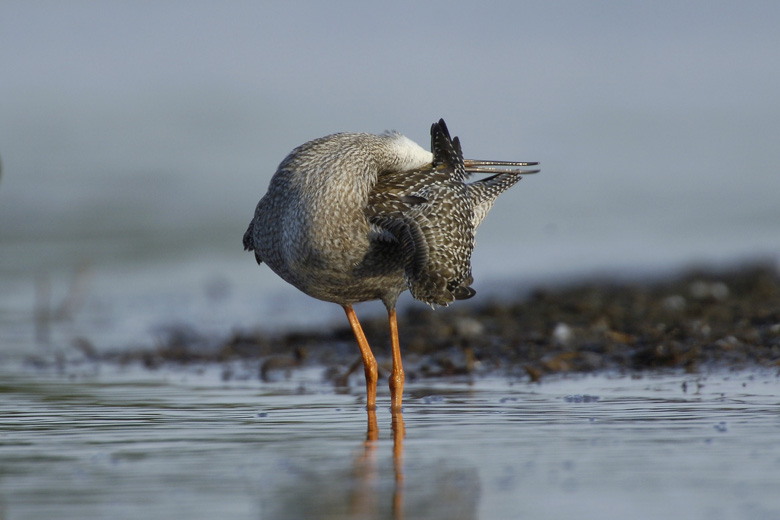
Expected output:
{"points": [[703, 318]]}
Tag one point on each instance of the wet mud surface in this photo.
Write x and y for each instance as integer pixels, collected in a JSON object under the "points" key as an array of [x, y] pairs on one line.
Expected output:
{"points": [[700, 319]]}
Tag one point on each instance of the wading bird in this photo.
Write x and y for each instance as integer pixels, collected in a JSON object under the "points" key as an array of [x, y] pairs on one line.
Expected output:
{"points": [[354, 217]]}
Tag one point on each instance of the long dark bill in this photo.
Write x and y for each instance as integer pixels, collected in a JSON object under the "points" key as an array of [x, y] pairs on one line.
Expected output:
{"points": [[478, 166]]}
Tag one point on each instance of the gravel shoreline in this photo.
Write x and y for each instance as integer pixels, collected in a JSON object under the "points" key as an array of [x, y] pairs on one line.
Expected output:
{"points": [[703, 318]]}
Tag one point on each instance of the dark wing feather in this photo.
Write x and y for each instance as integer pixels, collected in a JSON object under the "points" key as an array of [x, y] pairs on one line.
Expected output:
{"points": [[429, 214], [409, 235], [447, 154]]}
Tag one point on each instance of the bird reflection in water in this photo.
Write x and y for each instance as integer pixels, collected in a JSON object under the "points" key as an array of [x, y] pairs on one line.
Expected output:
{"points": [[366, 487], [364, 500], [399, 432]]}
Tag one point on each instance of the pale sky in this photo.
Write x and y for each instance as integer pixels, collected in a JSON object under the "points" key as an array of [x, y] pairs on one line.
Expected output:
{"points": [[663, 115]]}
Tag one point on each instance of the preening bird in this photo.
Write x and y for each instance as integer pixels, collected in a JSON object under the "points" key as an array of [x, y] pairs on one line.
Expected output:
{"points": [[354, 217]]}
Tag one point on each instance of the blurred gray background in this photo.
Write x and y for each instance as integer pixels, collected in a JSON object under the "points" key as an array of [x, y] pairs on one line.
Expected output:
{"points": [[137, 137]]}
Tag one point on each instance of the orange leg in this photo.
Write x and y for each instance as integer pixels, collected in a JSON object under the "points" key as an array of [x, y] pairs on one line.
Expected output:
{"points": [[397, 375], [369, 363]]}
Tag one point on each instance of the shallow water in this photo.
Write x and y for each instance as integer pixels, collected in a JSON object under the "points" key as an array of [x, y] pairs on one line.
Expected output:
{"points": [[128, 183], [105, 441]]}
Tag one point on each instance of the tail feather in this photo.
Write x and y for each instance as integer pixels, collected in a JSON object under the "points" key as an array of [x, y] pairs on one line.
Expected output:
{"points": [[249, 241], [484, 192]]}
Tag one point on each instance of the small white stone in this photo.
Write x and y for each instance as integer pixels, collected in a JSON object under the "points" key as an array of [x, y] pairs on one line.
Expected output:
{"points": [[469, 328], [562, 334]]}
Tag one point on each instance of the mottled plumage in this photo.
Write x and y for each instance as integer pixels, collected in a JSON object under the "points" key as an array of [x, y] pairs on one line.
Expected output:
{"points": [[428, 211], [356, 217]]}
